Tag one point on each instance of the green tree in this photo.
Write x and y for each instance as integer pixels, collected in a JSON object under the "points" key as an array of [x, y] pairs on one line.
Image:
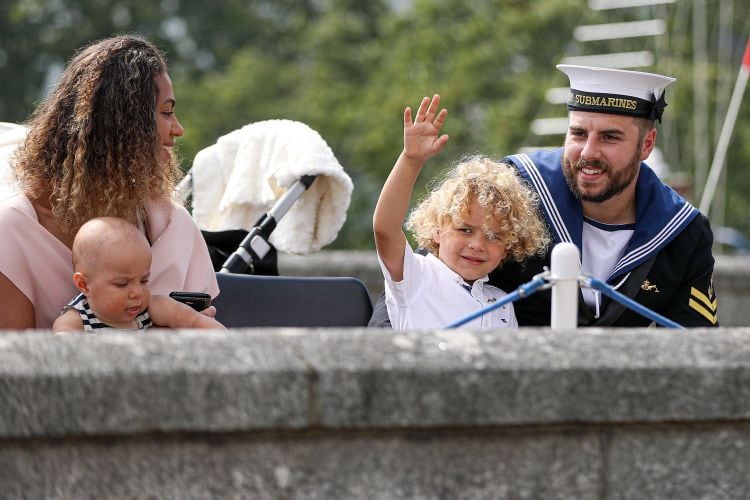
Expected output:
{"points": [[359, 64], [348, 68]]}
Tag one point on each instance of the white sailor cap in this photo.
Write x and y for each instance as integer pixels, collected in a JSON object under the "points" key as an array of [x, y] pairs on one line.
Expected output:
{"points": [[616, 91]]}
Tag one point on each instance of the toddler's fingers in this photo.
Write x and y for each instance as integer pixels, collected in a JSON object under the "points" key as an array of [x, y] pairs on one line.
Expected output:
{"points": [[422, 111], [440, 119], [433, 105]]}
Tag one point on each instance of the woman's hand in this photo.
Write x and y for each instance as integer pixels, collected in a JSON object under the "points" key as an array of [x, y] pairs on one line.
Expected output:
{"points": [[210, 311]]}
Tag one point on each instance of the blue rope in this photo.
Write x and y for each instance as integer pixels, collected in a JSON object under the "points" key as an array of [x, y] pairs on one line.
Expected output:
{"points": [[632, 304], [522, 291], [534, 285]]}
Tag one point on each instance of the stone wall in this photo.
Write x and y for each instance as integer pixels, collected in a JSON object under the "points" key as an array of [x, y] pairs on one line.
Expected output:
{"points": [[368, 413], [731, 277]]}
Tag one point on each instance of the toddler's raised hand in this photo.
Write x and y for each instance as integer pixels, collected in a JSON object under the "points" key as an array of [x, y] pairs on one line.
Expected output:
{"points": [[421, 137]]}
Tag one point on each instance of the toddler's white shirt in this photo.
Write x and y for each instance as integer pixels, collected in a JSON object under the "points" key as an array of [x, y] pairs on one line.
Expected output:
{"points": [[431, 296]]}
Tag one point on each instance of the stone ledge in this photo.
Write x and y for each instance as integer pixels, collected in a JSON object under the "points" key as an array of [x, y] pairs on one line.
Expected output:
{"points": [[120, 383], [294, 379]]}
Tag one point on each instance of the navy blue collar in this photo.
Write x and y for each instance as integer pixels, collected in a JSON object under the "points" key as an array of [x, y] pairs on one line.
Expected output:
{"points": [[661, 214]]}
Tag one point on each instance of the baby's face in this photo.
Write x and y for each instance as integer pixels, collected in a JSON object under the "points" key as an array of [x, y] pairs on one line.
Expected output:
{"points": [[119, 285]]}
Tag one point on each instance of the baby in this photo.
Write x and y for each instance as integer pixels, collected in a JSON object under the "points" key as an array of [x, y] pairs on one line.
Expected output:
{"points": [[112, 264], [479, 216]]}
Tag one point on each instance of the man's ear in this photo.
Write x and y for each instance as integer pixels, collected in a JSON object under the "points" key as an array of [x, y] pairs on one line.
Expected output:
{"points": [[81, 282], [649, 141]]}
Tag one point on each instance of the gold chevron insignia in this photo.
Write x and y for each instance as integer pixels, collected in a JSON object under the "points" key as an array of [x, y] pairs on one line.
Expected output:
{"points": [[703, 305]]}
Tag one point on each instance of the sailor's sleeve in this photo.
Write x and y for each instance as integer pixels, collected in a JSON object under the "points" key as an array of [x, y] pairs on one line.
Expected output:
{"points": [[695, 303]]}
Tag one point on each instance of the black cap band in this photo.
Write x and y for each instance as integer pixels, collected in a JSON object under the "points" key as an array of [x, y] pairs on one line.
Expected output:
{"points": [[616, 104]]}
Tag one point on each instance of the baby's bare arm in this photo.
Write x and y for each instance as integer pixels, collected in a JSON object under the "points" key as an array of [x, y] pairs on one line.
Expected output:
{"points": [[70, 321], [167, 312]]}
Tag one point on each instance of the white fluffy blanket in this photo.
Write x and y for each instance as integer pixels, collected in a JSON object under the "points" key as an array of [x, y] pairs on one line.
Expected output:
{"points": [[238, 179], [11, 136]]}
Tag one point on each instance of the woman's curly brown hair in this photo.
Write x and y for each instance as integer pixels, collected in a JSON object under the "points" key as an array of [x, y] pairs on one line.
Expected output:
{"points": [[509, 206], [93, 145]]}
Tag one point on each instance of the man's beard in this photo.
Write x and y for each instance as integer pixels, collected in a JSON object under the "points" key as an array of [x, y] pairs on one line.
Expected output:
{"points": [[617, 181]]}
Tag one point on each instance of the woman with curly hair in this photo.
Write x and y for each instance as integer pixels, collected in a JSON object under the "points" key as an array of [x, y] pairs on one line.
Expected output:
{"points": [[99, 145], [479, 216]]}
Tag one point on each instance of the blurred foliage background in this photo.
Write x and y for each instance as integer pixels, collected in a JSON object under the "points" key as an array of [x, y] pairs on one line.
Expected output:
{"points": [[347, 68]]}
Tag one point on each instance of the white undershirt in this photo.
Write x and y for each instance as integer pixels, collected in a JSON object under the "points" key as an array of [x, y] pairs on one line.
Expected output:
{"points": [[603, 246]]}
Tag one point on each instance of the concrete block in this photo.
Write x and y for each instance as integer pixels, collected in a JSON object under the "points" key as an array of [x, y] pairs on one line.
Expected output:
{"points": [[294, 413], [374, 465], [119, 382], [526, 377], [698, 461]]}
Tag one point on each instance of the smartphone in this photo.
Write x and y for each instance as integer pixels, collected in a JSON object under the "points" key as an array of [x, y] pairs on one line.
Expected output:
{"points": [[197, 300]]}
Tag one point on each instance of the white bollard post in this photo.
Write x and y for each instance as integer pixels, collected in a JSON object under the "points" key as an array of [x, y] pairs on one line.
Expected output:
{"points": [[564, 271]]}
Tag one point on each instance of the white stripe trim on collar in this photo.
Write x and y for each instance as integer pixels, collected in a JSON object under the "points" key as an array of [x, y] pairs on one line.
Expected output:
{"points": [[545, 196], [673, 226]]}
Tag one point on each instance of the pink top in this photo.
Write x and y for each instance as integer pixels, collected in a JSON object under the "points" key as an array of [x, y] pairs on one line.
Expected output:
{"points": [[41, 266]]}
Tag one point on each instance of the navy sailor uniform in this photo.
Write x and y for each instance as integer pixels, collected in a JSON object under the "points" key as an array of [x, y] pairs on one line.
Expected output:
{"points": [[667, 265]]}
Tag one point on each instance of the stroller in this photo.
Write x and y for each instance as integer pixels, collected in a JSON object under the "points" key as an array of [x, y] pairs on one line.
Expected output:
{"points": [[249, 252], [303, 218], [253, 164]]}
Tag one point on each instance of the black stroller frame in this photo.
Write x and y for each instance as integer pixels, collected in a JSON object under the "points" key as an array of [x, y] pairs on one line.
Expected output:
{"points": [[255, 253], [252, 292]]}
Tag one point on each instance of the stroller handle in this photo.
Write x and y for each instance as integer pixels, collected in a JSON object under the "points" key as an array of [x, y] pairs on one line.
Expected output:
{"points": [[255, 245]]}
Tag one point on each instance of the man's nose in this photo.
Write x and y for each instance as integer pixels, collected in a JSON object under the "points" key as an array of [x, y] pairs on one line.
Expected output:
{"points": [[591, 149]]}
